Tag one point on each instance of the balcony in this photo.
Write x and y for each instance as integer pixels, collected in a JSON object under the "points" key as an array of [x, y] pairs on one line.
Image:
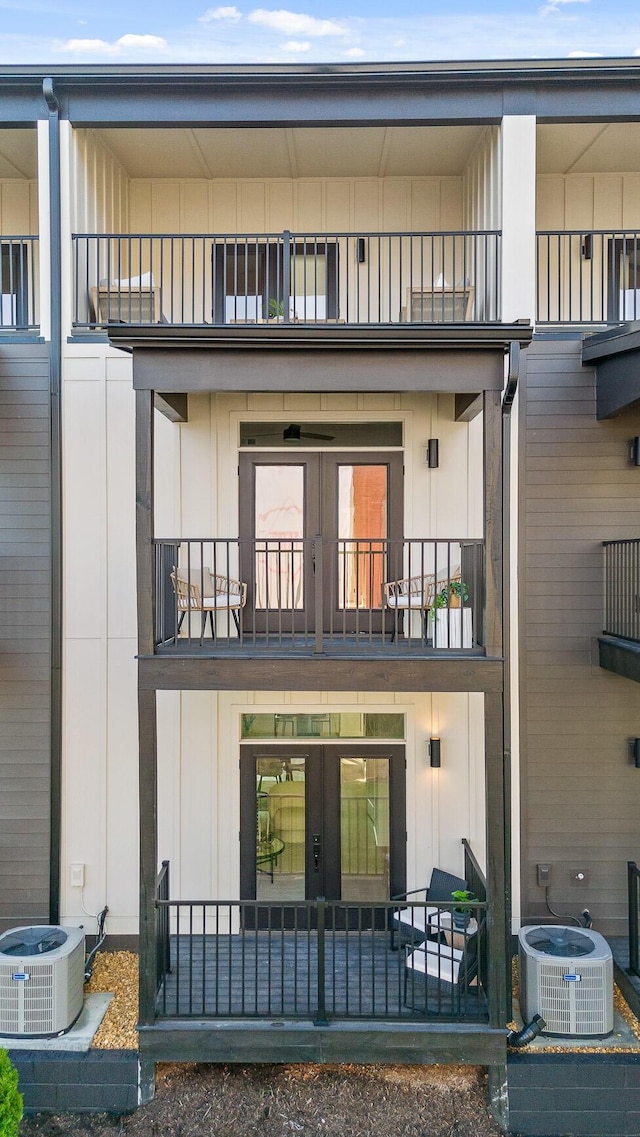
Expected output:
{"points": [[221, 972], [18, 284], [619, 644], [308, 597], [286, 279], [588, 277]]}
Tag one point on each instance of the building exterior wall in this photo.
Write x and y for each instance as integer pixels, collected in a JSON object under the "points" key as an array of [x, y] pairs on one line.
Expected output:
{"points": [[304, 205], [25, 606], [589, 201], [18, 207], [199, 787], [580, 792]]}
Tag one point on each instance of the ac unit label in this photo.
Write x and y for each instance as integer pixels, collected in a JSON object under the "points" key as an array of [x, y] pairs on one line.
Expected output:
{"points": [[572, 978], [20, 976]]}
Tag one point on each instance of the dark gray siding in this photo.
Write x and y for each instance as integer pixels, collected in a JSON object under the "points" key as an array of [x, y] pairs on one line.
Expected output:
{"points": [[580, 793], [25, 614]]}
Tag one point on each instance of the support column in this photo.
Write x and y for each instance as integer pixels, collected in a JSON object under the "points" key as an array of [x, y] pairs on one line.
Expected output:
{"points": [[147, 723], [495, 781], [518, 136]]}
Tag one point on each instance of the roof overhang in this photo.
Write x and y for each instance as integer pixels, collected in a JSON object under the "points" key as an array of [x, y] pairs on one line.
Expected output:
{"points": [[447, 358], [615, 353]]}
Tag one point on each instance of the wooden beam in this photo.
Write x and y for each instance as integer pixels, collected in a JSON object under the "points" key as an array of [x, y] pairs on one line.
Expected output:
{"points": [[144, 520], [148, 796], [344, 1041], [187, 368], [172, 404], [468, 406], [172, 673], [497, 859], [493, 508]]}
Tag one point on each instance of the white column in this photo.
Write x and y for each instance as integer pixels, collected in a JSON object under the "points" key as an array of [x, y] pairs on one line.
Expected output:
{"points": [[44, 245], [518, 217]]}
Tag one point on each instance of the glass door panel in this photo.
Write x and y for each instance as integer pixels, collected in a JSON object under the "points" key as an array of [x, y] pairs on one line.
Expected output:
{"points": [[362, 530], [281, 827], [279, 529], [364, 829]]}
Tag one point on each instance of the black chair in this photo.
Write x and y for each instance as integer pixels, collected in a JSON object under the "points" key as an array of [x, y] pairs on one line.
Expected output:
{"points": [[412, 921]]}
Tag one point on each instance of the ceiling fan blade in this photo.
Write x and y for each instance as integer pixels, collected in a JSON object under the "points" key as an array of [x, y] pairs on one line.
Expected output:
{"points": [[323, 437]]}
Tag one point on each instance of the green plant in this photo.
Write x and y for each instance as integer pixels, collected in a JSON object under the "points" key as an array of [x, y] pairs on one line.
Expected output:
{"points": [[452, 588], [10, 1098], [462, 896], [276, 308]]}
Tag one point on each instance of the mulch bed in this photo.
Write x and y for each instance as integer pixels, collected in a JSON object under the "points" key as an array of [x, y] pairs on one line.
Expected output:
{"points": [[282, 1101]]}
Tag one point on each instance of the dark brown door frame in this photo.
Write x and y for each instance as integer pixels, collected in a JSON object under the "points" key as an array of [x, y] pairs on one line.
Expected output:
{"points": [[322, 800], [320, 517]]}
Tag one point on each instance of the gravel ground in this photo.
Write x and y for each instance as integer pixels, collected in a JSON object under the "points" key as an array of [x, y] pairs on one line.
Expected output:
{"points": [[282, 1101]]}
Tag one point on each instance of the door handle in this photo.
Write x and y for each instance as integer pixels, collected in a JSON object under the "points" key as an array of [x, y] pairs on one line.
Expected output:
{"points": [[316, 853]]}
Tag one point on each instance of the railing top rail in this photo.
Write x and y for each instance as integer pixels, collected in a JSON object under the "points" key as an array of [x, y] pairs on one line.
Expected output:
{"points": [[306, 905], [19, 236], [473, 860], [240, 237], [614, 231], [348, 540], [622, 541]]}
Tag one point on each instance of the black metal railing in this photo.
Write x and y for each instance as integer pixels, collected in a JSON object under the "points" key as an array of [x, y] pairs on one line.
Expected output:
{"points": [[590, 277], [633, 885], [317, 595], [286, 278], [622, 589], [163, 944], [18, 284], [322, 960]]}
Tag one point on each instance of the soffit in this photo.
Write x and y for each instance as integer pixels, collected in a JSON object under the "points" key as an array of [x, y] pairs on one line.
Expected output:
{"points": [[293, 152], [589, 148], [18, 154]]}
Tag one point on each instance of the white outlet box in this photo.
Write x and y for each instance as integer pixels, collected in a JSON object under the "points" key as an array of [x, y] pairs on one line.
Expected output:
{"points": [[77, 874]]}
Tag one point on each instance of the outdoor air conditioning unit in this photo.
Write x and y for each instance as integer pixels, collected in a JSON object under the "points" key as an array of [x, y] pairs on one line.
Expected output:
{"points": [[41, 980], [566, 975]]}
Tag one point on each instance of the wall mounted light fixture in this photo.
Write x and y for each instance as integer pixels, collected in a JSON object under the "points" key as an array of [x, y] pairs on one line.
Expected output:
{"points": [[634, 450], [432, 453], [635, 750], [587, 246], [434, 752], [361, 250]]}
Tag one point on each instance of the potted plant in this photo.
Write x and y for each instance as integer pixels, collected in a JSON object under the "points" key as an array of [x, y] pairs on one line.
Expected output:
{"points": [[454, 592], [275, 309], [460, 917]]}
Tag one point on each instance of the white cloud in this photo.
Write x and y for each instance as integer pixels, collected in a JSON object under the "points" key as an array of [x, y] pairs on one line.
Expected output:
{"points": [[354, 52], [585, 55], [295, 23], [230, 13], [120, 47], [556, 6], [296, 45]]}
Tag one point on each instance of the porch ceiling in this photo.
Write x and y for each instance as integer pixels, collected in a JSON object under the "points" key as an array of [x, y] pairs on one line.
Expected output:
{"points": [[588, 148], [18, 154], [293, 152]]}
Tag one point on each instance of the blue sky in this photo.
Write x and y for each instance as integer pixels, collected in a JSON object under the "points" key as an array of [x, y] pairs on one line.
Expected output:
{"points": [[313, 31]]}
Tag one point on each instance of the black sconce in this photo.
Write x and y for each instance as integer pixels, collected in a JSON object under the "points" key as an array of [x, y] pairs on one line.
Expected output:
{"points": [[360, 250], [635, 751], [433, 453], [634, 450], [587, 247], [434, 752]]}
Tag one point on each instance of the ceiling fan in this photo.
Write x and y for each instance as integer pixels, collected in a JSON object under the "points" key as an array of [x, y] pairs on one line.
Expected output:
{"points": [[294, 433]]}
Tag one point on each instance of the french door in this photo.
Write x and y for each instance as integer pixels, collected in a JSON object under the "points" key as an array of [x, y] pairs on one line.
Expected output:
{"points": [[354, 501], [322, 820]]}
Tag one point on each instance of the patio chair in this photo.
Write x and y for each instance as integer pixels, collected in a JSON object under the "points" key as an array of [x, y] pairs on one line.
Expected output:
{"points": [[436, 963], [415, 594], [222, 594], [412, 923]]}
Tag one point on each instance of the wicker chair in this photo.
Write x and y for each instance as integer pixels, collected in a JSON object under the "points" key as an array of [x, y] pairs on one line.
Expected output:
{"points": [[221, 594]]}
